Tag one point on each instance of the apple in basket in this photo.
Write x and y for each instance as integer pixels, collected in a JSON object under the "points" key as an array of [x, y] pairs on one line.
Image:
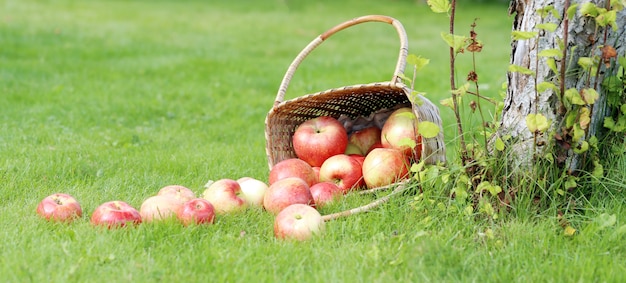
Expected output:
{"points": [[343, 170], [319, 138], [293, 167], [364, 139], [115, 214], [400, 132], [298, 222], [59, 207], [286, 192], [384, 166]]}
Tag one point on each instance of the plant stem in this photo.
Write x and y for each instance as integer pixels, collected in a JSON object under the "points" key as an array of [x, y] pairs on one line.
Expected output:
{"points": [[464, 155]]}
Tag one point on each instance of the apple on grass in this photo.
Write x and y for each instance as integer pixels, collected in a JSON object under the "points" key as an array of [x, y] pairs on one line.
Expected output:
{"points": [[59, 207], [384, 166], [286, 192], [325, 193], [319, 138], [364, 139], [400, 132], [180, 192], [343, 170], [298, 222], [225, 195], [159, 207], [115, 214], [253, 190], [196, 211], [293, 167]]}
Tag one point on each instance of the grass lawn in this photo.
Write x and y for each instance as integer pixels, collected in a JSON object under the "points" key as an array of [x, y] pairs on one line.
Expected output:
{"points": [[112, 100]]}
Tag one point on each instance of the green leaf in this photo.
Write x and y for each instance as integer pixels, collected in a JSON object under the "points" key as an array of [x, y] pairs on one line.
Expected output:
{"points": [[522, 35], [570, 182], [448, 102], [457, 42], [547, 26], [407, 142], [428, 129], [537, 122], [589, 9], [417, 61], [553, 52], [605, 220], [607, 18], [578, 133], [585, 62], [585, 118], [439, 6], [519, 69], [622, 61], [590, 95], [598, 169], [570, 119], [462, 89], [499, 144], [609, 123], [583, 147], [571, 11], [552, 65], [574, 97], [543, 86]]}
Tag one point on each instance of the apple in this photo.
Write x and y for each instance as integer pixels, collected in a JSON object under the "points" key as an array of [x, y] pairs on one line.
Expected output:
{"points": [[59, 207], [159, 207], [225, 195], [376, 145], [400, 132], [293, 167], [253, 191], [114, 214], [196, 211], [384, 166], [353, 149], [364, 139], [324, 193], [343, 170], [319, 138], [285, 192], [298, 222], [316, 169], [180, 192]]}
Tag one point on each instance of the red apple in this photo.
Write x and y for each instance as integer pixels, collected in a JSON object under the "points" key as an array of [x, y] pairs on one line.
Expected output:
{"points": [[319, 138], [364, 139], [114, 214], [316, 169], [196, 211], [180, 192], [225, 195], [342, 170], [293, 167], [376, 145], [400, 132], [59, 207], [298, 222], [159, 207], [324, 193], [384, 166], [285, 192], [253, 191]]}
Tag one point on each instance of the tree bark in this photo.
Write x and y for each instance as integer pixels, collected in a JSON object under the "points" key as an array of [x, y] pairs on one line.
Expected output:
{"points": [[522, 98]]}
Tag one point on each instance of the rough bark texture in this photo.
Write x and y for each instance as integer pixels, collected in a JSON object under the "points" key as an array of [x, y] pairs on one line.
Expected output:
{"points": [[521, 97]]}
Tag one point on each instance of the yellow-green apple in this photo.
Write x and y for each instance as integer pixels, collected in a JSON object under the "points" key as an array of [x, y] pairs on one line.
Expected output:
{"points": [[177, 191], [225, 195], [292, 167], [384, 166], [298, 222], [324, 193], [253, 191], [343, 170], [115, 214], [285, 192], [353, 149], [196, 211], [159, 207], [400, 132], [59, 207], [319, 138], [364, 139]]}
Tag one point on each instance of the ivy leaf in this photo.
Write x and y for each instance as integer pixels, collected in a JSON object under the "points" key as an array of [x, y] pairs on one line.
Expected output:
{"points": [[439, 6], [589, 9], [552, 52], [585, 118], [584, 146], [519, 69], [428, 129], [543, 86], [574, 97], [537, 123], [590, 95], [571, 11], [455, 41], [551, 27], [607, 18], [499, 144], [522, 35], [417, 61], [577, 133], [609, 123], [598, 169], [570, 182]]}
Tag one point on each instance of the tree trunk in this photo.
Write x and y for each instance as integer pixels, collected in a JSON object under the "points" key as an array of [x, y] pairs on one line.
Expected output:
{"points": [[522, 98]]}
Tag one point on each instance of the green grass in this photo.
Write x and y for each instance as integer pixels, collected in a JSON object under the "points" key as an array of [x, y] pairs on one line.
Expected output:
{"points": [[111, 100]]}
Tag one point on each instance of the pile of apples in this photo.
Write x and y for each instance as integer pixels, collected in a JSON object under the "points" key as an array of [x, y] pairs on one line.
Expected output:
{"points": [[330, 162]]}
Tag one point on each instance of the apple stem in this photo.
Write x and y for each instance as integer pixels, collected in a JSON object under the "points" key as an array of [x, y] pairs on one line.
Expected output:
{"points": [[400, 187]]}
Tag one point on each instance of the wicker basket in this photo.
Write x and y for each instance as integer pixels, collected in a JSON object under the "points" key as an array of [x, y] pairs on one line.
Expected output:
{"points": [[351, 101]]}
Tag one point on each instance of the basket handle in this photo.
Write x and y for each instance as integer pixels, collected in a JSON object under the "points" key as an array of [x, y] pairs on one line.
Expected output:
{"points": [[404, 49]]}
